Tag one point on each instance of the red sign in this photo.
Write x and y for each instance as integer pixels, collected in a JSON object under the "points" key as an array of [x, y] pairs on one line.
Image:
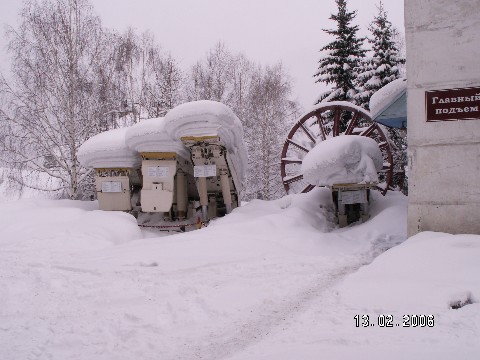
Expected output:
{"points": [[453, 104]]}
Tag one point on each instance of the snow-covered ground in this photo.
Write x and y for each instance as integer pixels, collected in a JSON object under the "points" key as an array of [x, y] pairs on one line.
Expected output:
{"points": [[272, 280]]}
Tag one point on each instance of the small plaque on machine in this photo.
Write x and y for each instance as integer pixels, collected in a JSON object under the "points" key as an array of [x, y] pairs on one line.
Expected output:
{"points": [[353, 197], [111, 186], [158, 171], [204, 170]]}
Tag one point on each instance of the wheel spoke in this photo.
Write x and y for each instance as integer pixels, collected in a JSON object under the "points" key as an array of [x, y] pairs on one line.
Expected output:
{"points": [[309, 134], [291, 179], [291, 161], [383, 145], [320, 124], [308, 188], [336, 121], [353, 123], [369, 130], [298, 145], [386, 167]]}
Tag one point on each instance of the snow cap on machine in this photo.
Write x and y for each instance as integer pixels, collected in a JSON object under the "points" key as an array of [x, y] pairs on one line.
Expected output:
{"points": [[150, 136], [204, 118], [343, 159], [108, 150], [209, 118]]}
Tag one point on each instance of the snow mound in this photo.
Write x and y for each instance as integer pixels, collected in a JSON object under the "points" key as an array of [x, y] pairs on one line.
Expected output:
{"points": [[150, 136], [341, 160], [64, 226], [207, 118], [430, 272], [383, 97], [108, 150]]}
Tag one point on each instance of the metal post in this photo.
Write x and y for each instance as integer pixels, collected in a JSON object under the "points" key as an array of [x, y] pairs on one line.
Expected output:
{"points": [[181, 195], [202, 191], [225, 186]]}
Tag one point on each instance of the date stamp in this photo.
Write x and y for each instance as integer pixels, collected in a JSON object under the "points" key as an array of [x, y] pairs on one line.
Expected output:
{"points": [[385, 320]]}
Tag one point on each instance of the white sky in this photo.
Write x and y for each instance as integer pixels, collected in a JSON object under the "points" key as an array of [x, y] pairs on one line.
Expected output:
{"points": [[267, 31]]}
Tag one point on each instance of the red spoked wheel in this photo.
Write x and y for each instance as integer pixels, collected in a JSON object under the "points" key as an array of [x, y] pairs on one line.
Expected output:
{"points": [[324, 121]]}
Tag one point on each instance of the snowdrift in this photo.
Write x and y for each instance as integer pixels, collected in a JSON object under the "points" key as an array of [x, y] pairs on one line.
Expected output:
{"points": [[342, 160], [445, 268]]}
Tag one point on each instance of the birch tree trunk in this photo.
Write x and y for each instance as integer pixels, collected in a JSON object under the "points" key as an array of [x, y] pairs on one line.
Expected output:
{"points": [[52, 100]]}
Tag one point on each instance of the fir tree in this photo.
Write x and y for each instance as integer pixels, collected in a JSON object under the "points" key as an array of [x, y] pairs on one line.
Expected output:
{"points": [[383, 67], [342, 57], [377, 71]]}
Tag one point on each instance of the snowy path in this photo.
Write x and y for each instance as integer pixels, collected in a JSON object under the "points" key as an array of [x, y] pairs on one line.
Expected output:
{"points": [[261, 321], [276, 316]]}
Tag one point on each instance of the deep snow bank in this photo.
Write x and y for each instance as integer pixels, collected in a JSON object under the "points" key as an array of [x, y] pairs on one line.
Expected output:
{"points": [[64, 225], [426, 274]]}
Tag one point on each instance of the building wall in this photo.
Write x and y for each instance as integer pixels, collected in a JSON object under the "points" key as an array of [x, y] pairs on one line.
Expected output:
{"points": [[443, 52]]}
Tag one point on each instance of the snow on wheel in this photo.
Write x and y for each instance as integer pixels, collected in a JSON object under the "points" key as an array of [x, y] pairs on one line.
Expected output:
{"points": [[324, 121]]}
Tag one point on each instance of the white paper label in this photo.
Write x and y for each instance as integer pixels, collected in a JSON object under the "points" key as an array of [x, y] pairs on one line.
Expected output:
{"points": [[111, 186], [354, 197], [204, 170], [158, 171]]}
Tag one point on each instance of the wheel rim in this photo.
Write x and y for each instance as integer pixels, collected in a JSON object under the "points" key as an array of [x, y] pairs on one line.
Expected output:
{"points": [[323, 122]]}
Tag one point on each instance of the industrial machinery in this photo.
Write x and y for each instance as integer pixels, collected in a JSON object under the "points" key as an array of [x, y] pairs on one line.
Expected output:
{"points": [[330, 120], [114, 187], [217, 184], [351, 202], [116, 169], [167, 184], [173, 173]]}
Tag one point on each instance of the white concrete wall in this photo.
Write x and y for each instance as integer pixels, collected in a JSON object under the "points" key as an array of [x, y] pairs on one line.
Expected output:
{"points": [[443, 52]]}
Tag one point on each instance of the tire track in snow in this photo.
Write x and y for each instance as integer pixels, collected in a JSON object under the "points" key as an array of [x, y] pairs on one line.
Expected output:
{"points": [[269, 317]]}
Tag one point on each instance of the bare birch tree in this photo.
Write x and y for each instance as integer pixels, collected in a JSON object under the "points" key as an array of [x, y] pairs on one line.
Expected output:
{"points": [[209, 78], [160, 78], [271, 114], [260, 96], [52, 99], [148, 81]]}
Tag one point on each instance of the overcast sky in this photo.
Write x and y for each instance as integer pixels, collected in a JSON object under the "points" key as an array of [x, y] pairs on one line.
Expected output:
{"points": [[267, 31]]}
